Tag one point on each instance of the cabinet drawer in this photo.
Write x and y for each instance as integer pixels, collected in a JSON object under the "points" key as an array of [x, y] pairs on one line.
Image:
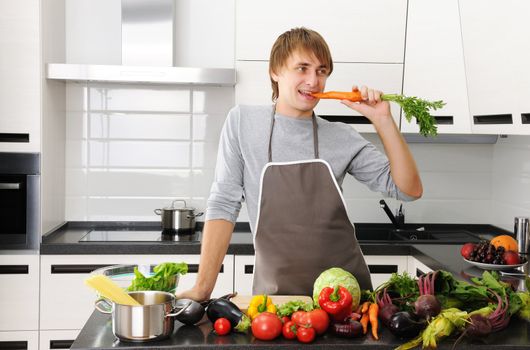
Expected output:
{"points": [[66, 302], [243, 274], [382, 266], [19, 294], [19, 340], [50, 340]]}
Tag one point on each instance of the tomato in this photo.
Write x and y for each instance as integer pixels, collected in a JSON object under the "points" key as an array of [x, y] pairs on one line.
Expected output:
{"points": [[298, 317], [318, 319], [285, 319], [222, 326], [266, 326], [289, 330], [305, 334]]}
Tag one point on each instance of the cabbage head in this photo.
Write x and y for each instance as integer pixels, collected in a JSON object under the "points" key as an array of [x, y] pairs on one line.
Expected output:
{"points": [[337, 276]]}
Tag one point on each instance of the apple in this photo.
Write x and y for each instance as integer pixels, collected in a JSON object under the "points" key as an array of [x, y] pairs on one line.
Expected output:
{"points": [[511, 258], [467, 249]]}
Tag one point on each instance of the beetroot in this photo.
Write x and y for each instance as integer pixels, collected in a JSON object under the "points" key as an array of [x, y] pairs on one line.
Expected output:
{"points": [[386, 307], [479, 326], [427, 305]]}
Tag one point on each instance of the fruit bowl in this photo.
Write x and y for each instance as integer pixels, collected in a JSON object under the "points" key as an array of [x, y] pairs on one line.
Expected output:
{"points": [[497, 267]]}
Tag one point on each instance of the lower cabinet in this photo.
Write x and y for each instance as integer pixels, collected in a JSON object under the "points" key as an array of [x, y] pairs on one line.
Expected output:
{"points": [[57, 339], [19, 340], [416, 268], [243, 274], [66, 302]]}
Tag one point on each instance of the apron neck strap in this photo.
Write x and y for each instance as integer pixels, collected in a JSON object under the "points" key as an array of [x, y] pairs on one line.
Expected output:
{"points": [[315, 134]]}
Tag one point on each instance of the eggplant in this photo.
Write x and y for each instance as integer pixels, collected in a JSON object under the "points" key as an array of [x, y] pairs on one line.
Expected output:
{"points": [[350, 329], [193, 313], [222, 308], [403, 325]]}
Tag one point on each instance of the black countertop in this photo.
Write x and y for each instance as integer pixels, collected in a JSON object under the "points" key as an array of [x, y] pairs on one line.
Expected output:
{"points": [[97, 332]]}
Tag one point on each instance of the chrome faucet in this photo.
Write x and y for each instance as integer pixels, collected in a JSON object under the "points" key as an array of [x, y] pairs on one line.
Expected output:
{"points": [[399, 219]]}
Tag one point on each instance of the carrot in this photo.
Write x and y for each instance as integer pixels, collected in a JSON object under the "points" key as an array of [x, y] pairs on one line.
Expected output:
{"points": [[354, 96], [364, 322], [374, 322], [365, 307]]}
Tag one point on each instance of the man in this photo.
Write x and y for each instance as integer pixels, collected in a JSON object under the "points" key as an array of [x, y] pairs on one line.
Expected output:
{"points": [[288, 164]]}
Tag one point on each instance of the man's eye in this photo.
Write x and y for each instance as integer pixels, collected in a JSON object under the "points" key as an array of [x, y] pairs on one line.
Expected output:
{"points": [[301, 69], [323, 71]]}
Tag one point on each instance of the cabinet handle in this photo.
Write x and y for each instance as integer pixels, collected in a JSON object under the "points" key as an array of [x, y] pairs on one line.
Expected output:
{"points": [[442, 120], [347, 119], [194, 268], [382, 268], [492, 119], [419, 272], [525, 118], [10, 137], [14, 269], [13, 345], [61, 344], [70, 269], [249, 269], [10, 186]]}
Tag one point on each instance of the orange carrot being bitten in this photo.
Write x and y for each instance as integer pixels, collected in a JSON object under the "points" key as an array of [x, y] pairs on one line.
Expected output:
{"points": [[354, 96]]}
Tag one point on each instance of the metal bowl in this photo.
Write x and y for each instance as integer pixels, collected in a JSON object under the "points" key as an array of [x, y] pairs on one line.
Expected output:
{"points": [[123, 275]]}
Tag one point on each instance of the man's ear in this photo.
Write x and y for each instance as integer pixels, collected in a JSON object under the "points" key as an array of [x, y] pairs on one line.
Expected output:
{"points": [[274, 76]]}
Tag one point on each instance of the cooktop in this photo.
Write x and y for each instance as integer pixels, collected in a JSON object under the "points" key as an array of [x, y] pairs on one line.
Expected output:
{"points": [[138, 236]]}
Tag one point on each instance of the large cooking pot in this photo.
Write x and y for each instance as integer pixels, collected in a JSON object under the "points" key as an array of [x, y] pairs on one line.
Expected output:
{"points": [[153, 320], [179, 220]]}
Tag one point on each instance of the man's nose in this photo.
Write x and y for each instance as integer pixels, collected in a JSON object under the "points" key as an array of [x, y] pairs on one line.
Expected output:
{"points": [[312, 79]]}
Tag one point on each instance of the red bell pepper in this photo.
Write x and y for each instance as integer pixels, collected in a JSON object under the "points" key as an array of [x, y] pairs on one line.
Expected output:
{"points": [[335, 301]]}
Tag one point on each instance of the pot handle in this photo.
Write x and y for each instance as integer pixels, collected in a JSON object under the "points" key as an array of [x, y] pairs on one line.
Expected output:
{"points": [[193, 216], [103, 306], [158, 211], [173, 313]]}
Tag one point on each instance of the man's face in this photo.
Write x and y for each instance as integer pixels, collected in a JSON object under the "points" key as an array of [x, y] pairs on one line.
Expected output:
{"points": [[301, 74]]}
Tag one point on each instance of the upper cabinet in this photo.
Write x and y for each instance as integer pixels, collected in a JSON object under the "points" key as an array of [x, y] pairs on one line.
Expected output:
{"points": [[20, 76], [355, 30], [496, 40], [434, 64]]}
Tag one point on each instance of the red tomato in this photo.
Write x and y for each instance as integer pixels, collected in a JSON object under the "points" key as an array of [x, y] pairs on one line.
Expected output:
{"points": [[318, 319], [298, 317], [266, 326], [285, 319], [289, 330], [222, 326], [305, 334]]}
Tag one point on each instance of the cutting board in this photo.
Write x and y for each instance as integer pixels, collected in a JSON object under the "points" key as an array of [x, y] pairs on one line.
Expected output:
{"points": [[242, 301]]}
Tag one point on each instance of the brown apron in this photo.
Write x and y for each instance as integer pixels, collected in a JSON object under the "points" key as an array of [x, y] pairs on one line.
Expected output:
{"points": [[302, 227]]}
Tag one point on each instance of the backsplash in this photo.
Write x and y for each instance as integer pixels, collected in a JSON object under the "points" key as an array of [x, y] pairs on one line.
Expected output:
{"points": [[131, 149]]}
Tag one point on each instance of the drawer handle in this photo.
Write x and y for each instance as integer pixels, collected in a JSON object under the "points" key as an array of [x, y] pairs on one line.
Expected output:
{"points": [[249, 269], [61, 344], [525, 118], [194, 268], [10, 137], [492, 119], [347, 119], [14, 269], [419, 272], [442, 120], [71, 269], [13, 345], [10, 185], [382, 268]]}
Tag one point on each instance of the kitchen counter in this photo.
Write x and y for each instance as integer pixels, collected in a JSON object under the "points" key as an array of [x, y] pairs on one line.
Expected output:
{"points": [[97, 332]]}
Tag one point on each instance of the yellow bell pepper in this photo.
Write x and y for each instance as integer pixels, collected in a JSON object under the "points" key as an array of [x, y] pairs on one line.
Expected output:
{"points": [[259, 304]]}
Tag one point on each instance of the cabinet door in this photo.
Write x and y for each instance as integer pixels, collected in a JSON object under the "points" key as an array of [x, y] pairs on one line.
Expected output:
{"points": [[416, 268], [19, 340], [254, 87], [19, 292], [49, 340], [20, 72], [243, 274], [66, 302], [382, 266], [355, 30], [496, 52], [434, 64]]}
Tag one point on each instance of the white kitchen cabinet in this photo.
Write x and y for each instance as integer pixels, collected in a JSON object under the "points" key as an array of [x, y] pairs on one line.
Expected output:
{"points": [[254, 87], [382, 266], [416, 268], [20, 72], [355, 30], [434, 64], [66, 303], [27, 340], [19, 292], [496, 52], [49, 340], [243, 274]]}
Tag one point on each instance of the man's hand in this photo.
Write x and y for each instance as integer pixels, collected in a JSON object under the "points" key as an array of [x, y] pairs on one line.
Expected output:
{"points": [[193, 294], [372, 107]]}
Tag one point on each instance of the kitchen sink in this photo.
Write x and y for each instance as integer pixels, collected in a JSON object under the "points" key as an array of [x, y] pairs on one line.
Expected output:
{"points": [[410, 235]]}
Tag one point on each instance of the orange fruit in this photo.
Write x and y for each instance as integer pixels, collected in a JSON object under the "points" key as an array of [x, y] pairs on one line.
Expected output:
{"points": [[508, 242]]}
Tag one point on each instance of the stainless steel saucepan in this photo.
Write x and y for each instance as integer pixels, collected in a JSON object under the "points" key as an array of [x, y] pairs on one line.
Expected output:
{"points": [[153, 320], [178, 220]]}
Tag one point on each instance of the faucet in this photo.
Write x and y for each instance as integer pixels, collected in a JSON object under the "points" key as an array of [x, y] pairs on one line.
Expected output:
{"points": [[397, 220]]}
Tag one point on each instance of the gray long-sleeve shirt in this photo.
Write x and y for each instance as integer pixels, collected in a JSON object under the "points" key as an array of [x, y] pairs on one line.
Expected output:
{"points": [[243, 152]]}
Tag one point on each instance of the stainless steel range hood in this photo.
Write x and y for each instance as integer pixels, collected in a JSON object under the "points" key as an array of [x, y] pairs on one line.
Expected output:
{"points": [[148, 52]]}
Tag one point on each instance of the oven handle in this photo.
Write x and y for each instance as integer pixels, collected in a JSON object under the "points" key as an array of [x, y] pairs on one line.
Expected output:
{"points": [[10, 185]]}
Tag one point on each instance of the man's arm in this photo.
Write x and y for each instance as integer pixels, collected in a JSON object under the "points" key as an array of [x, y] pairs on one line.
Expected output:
{"points": [[402, 165], [215, 240]]}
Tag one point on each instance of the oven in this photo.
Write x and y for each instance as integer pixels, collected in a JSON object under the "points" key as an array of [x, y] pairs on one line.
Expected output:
{"points": [[19, 200]]}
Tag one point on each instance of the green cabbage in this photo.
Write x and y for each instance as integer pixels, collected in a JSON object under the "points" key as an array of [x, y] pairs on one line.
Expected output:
{"points": [[337, 276]]}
